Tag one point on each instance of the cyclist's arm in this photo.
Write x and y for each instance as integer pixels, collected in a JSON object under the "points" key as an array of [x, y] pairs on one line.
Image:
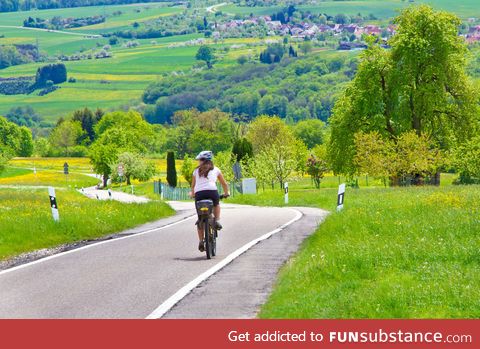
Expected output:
{"points": [[224, 184], [192, 192]]}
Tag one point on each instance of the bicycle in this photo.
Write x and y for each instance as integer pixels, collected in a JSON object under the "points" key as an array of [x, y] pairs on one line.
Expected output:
{"points": [[207, 222]]}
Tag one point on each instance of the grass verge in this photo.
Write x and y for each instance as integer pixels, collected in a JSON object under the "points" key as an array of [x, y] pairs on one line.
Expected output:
{"points": [[391, 253], [26, 223]]}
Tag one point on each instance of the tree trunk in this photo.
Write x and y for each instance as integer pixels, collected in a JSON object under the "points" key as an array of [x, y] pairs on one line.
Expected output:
{"points": [[105, 180], [128, 180]]}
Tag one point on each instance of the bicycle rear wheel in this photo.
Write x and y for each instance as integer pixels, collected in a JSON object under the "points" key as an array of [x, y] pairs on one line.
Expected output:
{"points": [[214, 241], [207, 237]]}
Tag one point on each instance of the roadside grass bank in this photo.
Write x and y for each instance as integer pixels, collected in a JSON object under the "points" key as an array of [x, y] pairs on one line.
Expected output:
{"points": [[26, 222], [391, 253]]}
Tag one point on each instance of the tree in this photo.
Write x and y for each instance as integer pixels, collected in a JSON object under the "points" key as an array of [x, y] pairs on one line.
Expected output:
{"points": [[57, 73], [242, 149], [310, 131], [102, 155], [171, 169], [265, 131], [205, 53], [25, 142], [406, 160], [279, 160], [65, 136], [224, 161], [420, 85], [466, 160], [187, 169], [316, 168], [306, 47], [242, 59], [41, 147], [87, 120], [116, 133], [374, 155], [134, 167], [415, 158]]}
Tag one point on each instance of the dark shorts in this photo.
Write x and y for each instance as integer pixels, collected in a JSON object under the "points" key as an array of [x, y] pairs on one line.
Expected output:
{"points": [[208, 195]]}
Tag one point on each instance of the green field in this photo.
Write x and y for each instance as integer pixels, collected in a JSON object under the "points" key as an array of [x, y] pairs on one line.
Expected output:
{"points": [[108, 83], [24, 203], [391, 253], [81, 218], [382, 9], [121, 80]]}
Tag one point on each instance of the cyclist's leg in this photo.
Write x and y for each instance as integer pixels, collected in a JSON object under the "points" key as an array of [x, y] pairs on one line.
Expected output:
{"points": [[200, 232], [216, 212]]}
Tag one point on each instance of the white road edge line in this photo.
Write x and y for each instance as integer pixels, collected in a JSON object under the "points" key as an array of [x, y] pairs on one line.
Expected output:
{"points": [[185, 290], [95, 244]]}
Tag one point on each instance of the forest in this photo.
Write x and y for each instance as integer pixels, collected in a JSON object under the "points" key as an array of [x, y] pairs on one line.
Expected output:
{"points": [[294, 89]]}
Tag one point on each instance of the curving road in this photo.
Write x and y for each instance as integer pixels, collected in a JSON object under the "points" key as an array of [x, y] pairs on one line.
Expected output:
{"points": [[151, 268]]}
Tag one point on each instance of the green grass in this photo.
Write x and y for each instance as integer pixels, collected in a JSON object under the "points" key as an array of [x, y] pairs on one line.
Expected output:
{"points": [[26, 223], [391, 253], [10, 172], [130, 14]]}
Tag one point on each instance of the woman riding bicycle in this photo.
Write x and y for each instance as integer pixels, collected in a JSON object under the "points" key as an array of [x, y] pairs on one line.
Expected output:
{"points": [[204, 187]]}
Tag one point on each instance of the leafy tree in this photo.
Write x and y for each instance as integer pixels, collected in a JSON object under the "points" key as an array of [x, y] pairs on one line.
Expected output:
{"points": [[466, 160], [9, 56], [25, 142], [415, 158], [102, 155], [57, 73], [405, 160], [242, 149], [206, 54], [273, 105], [134, 167], [187, 169], [420, 85], [265, 131], [65, 136], [311, 132], [306, 47], [116, 133], [374, 155], [171, 169], [41, 147], [87, 120], [242, 59], [24, 116], [3, 160], [272, 54], [316, 168], [224, 161]]}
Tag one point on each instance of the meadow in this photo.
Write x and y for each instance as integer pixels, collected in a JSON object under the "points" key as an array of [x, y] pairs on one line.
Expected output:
{"points": [[25, 217], [381, 9], [121, 80], [391, 253], [81, 218]]}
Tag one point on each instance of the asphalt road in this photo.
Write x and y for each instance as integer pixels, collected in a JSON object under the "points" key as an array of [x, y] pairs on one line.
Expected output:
{"points": [[129, 277]]}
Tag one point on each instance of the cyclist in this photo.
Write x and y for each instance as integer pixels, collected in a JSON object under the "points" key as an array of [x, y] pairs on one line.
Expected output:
{"points": [[204, 187]]}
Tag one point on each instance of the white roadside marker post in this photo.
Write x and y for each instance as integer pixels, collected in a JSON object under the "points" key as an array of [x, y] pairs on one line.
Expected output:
{"points": [[341, 196], [286, 193], [53, 204]]}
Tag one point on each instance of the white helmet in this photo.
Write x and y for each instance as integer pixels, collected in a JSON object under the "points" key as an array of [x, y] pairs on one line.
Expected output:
{"points": [[205, 155]]}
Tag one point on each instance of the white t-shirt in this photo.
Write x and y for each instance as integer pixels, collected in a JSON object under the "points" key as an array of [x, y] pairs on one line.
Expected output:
{"points": [[206, 183]]}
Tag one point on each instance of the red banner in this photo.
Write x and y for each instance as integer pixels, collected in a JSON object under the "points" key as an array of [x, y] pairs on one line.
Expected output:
{"points": [[328, 334]]}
